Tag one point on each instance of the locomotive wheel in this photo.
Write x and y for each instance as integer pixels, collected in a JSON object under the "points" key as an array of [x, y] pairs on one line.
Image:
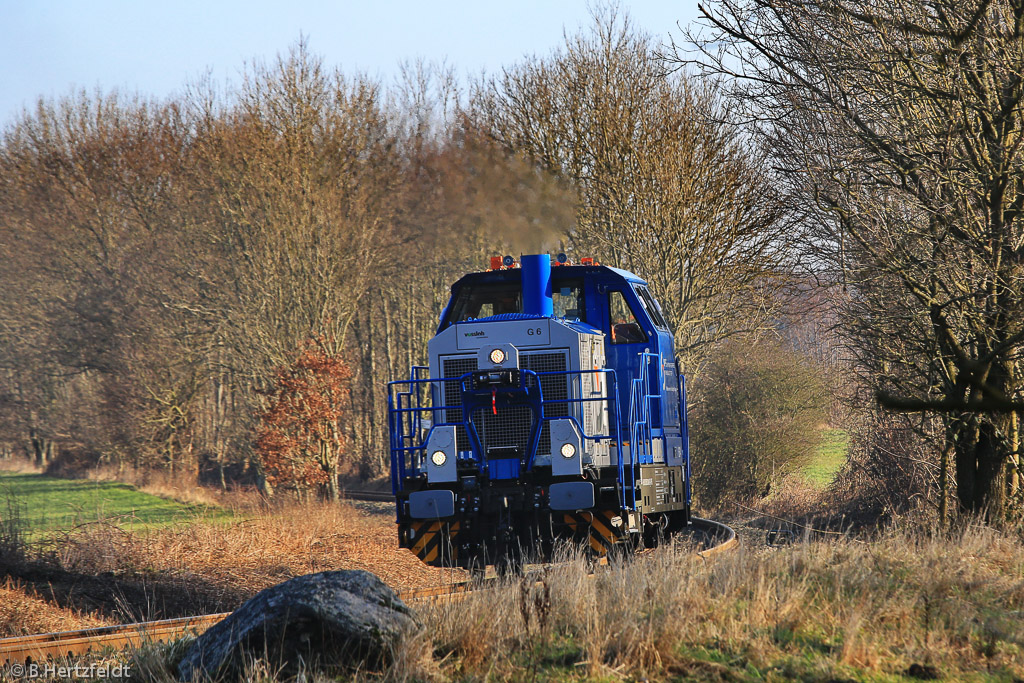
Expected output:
{"points": [[678, 520], [656, 530]]}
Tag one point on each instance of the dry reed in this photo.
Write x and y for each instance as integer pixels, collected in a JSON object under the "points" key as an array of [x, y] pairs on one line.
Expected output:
{"points": [[23, 612], [910, 601]]}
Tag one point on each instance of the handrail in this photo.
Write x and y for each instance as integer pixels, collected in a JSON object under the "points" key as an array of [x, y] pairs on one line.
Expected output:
{"points": [[684, 423], [406, 408], [403, 439], [640, 423], [398, 434]]}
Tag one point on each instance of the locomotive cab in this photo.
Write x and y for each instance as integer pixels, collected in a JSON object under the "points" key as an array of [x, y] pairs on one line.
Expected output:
{"points": [[552, 407]]}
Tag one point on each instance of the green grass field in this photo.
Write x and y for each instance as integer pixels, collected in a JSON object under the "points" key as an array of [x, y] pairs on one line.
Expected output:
{"points": [[829, 459], [45, 504]]}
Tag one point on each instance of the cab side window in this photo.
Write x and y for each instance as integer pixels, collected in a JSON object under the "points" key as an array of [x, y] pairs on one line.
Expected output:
{"points": [[624, 327], [651, 306]]}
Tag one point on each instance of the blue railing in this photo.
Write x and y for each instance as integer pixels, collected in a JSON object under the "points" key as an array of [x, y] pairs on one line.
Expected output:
{"points": [[684, 424], [410, 405], [411, 410], [641, 439], [405, 420]]}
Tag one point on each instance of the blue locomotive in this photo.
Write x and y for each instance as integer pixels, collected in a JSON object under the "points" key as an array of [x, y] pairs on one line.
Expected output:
{"points": [[552, 408]]}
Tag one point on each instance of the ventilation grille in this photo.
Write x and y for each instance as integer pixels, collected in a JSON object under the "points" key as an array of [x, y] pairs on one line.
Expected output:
{"points": [[511, 426], [509, 429], [456, 367], [553, 387]]}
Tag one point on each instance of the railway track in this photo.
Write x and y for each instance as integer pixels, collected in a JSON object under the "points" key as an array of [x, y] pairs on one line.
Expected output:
{"points": [[37, 648], [43, 646], [715, 538], [718, 537]]}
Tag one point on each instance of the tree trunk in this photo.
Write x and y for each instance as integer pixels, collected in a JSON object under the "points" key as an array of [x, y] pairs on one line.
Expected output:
{"points": [[388, 351], [990, 482], [219, 412], [981, 467], [42, 448], [373, 438], [1013, 462], [947, 448], [264, 486], [965, 462], [333, 492]]}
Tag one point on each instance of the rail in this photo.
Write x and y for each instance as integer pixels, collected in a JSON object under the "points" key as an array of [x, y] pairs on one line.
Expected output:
{"points": [[721, 536], [43, 646], [67, 643]]}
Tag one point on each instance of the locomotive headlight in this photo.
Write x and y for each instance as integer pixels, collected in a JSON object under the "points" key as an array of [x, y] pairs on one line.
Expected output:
{"points": [[568, 450], [497, 356], [439, 458]]}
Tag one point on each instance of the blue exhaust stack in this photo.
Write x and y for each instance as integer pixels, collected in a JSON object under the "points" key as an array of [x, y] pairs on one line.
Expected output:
{"points": [[536, 269]]}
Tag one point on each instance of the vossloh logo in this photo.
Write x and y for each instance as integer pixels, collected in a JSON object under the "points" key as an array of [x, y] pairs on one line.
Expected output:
{"points": [[472, 338]]}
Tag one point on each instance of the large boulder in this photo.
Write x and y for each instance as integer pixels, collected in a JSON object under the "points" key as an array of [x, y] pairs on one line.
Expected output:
{"points": [[330, 618]]}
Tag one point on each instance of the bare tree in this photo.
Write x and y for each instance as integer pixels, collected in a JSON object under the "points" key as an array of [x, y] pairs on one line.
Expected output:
{"points": [[301, 190], [899, 124], [98, 354], [663, 188]]}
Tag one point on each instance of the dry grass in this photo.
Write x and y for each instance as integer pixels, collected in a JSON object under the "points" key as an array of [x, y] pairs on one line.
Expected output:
{"points": [[178, 486], [818, 611], [19, 465], [837, 609], [208, 565], [22, 612], [246, 555]]}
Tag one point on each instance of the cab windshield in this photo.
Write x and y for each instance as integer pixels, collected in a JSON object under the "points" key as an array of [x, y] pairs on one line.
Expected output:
{"points": [[484, 300]]}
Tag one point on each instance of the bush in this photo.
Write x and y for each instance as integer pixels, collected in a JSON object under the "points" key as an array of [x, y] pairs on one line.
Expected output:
{"points": [[760, 415], [299, 439], [893, 467], [72, 463]]}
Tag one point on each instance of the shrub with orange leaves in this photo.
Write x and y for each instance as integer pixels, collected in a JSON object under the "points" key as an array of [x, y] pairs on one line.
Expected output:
{"points": [[299, 437]]}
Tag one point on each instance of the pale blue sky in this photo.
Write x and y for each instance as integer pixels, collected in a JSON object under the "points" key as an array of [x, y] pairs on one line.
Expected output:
{"points": [[51, 47]]}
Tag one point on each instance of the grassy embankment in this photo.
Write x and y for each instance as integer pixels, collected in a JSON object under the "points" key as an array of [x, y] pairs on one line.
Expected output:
{"points": [[49, 563], [908, 604], [829, 459], [79, 553], [45, 505], [901, 605]]}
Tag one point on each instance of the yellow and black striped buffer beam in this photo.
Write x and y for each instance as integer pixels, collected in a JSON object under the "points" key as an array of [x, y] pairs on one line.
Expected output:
{"points": [[432, 541], [602, 534]]}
